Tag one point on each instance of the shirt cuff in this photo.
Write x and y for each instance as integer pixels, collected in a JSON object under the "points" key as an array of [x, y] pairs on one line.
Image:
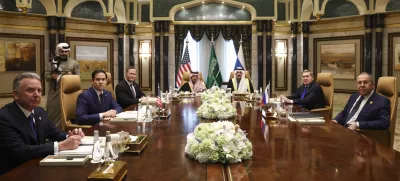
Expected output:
{"points": [[55, 148], [358, 125], [101, 116], [291, 101], [59, 77]]}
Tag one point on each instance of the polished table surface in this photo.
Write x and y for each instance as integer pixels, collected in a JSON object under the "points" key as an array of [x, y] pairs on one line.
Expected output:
{"points": [[282, 150]]}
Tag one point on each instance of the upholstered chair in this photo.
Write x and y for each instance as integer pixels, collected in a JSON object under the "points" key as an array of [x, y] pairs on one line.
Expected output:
{"points": [[109, 86], [325, 80], [70, 89]]}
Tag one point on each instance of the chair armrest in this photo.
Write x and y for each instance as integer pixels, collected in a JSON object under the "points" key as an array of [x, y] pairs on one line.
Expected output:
{"points": [[321, 109]]}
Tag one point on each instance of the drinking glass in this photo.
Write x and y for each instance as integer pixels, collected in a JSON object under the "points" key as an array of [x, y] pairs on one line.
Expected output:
{"points": [[115, 148], [123, 139]]}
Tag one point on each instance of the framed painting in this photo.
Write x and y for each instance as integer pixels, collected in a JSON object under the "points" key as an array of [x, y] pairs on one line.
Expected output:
{"points": [[341, 56], [394, 57], [91, 54], [20, 53]]}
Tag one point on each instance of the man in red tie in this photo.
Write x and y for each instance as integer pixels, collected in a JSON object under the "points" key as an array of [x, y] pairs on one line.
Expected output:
{"points": [[309, 95], [365, 109]]}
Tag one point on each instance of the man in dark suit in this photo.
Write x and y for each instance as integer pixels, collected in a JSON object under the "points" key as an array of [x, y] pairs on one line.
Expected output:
{"points": [[96, 104], [309, 95], [25, 127], [365, 109], [128, 91]]}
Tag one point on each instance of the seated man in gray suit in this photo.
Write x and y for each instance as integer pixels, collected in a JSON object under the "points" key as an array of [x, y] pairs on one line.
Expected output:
{"points": [[365, 109]]}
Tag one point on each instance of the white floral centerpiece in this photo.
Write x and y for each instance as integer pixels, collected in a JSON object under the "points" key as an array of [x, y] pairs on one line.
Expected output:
{"points": [[216, 105], [213, 92], [220, 142]]}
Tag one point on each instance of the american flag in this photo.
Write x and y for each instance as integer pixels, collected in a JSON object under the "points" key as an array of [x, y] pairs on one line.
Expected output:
{"points": [[159, 102], [184, 66]]}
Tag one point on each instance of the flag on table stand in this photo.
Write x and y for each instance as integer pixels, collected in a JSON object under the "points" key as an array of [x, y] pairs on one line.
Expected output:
{"points": [[240, 59], [214, 77], [184, 66], [266, 95], [159, 102]]}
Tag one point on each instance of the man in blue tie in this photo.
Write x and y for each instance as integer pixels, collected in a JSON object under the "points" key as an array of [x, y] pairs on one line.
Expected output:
{"points": [[26, 130], [309, 95], [96, 104], [365, 109]]}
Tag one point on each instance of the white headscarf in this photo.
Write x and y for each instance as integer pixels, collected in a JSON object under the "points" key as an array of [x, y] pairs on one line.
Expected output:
{"points": [[241, 86], [62, 46]]}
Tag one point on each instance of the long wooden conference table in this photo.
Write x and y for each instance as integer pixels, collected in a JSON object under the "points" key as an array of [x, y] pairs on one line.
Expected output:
{"points": [[282, 150]]}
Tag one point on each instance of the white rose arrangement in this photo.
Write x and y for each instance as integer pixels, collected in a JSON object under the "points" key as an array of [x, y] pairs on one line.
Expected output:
{"points": [[220, 142], [216, 105]]}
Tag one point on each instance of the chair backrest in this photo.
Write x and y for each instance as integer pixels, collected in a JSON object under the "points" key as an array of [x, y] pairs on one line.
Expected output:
{"points": [[70, 89], [185, 77], [387, 86], [325, 80], [109, 86], [246, 74]]}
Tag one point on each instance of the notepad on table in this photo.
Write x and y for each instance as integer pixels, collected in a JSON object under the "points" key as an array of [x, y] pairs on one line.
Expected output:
{"points": [[81, 150]]}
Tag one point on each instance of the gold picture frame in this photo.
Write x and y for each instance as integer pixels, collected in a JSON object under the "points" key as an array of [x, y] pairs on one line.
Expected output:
{"points": [[92, 54], [393, 57], [343, 57], [20, 53]]}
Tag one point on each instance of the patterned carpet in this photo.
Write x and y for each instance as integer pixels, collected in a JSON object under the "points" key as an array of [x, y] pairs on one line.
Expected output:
{"points": [[339, 102]]}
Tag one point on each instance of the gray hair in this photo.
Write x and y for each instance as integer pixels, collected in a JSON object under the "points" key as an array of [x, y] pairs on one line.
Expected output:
{"points": [[24, 75], [368, 74], [305, 71]]}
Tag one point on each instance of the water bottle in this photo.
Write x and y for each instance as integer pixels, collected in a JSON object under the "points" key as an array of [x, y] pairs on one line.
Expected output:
{"points": [[108, 147], [96, 151]]}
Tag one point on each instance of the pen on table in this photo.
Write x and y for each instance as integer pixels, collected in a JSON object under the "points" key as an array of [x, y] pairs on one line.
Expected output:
{"points": [[100, 165], [108, 168]]}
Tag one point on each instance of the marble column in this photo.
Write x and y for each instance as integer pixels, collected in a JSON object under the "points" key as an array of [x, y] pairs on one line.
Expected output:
{"points": [[260, 48], [52, 27], [120, 31], [62, 24], [294, 30], [368, 24], [268, 46], [131, 33], [157, 54], [305, 28], [379, 26], [165, 30]]}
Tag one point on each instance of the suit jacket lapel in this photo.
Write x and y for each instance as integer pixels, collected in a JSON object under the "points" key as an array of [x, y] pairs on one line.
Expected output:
{"points": [[23, 122], [367, 104], [96, 98]]}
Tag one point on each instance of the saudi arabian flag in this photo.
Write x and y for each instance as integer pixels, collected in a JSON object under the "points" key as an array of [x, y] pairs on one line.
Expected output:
{"points": [[214, 77]]}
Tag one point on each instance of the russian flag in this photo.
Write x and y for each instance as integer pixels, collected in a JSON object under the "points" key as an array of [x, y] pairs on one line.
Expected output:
{"points": [[265, 97], [240, 59]]}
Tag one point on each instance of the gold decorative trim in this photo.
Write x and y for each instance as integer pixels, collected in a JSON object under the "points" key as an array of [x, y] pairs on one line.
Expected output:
{"points": [[61, 31], [213, 22], [392, 14], [88, 21], [18, 15], [23, 27], [281, 24], [156, 34], [132, 36], [143, 34], [268, 33], [53, 31], [338, 20], [337, 30], [282, 33], [121, 36], [305, 35], [378, 29], [392, 25], [91, 32], [368, 30], [165, 34], [293, 35], [259, 33]]}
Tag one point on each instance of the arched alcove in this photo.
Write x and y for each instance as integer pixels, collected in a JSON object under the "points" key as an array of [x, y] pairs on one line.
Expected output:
{"points": [[393, 5], [339, 8]]}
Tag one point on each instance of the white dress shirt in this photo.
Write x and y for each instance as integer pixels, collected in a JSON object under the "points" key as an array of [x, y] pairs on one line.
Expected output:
{"points": [[27, 114], [363, 102]]}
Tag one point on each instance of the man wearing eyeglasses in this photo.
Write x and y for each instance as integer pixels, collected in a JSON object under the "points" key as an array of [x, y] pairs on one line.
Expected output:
{"points": [[365, 109]]}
